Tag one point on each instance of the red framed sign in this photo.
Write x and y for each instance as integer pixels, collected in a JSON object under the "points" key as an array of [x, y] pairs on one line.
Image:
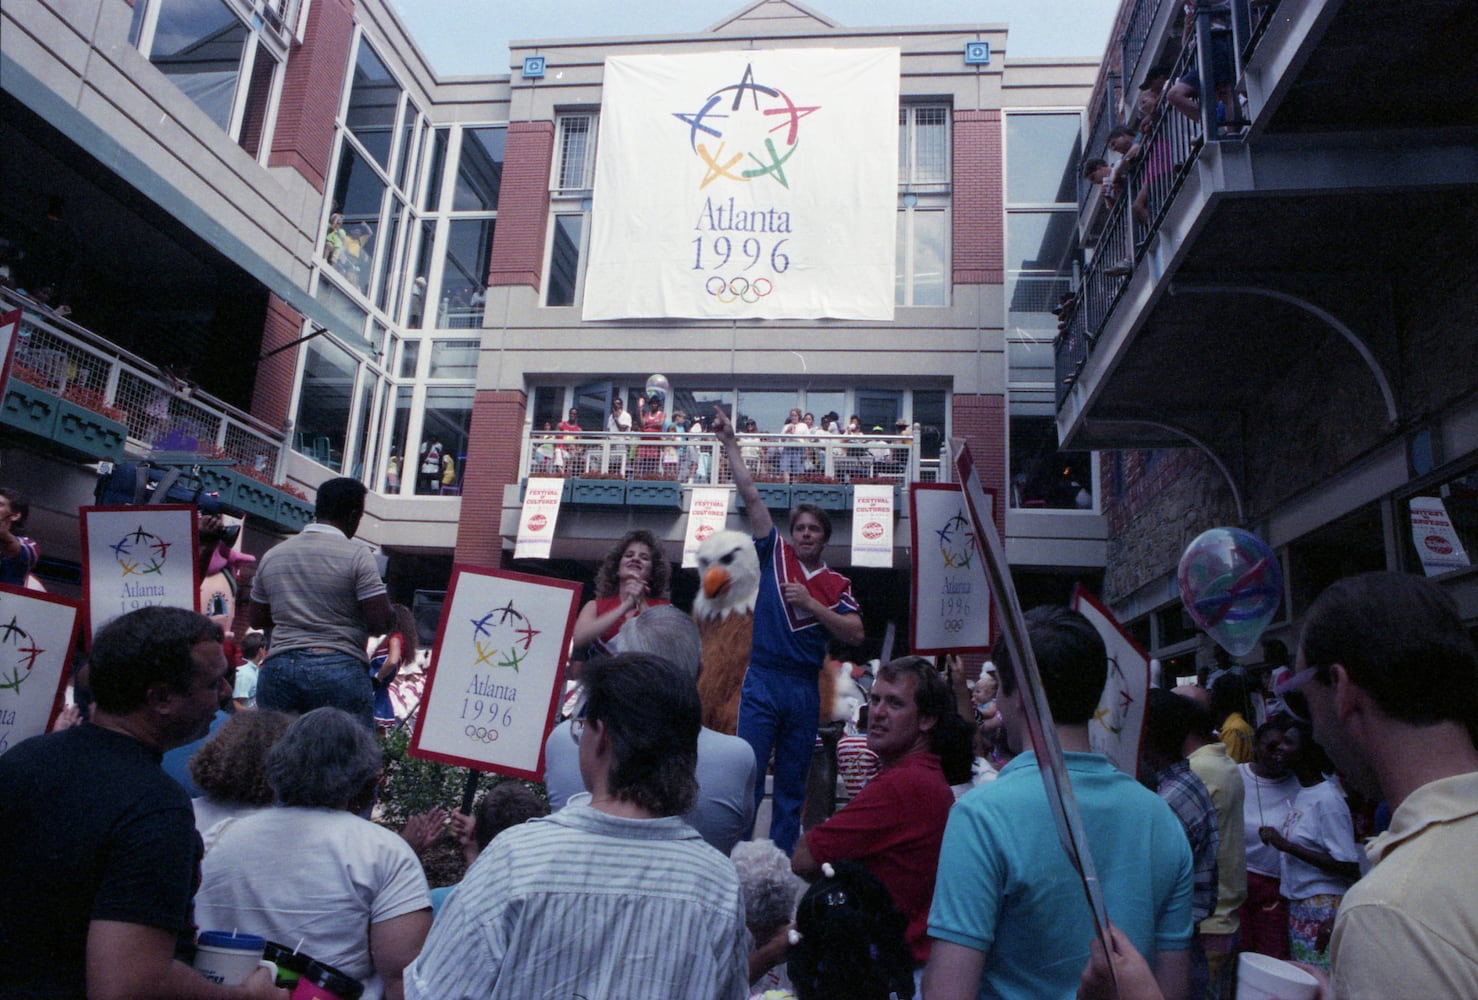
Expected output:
{"points": [[37, 634], [949, 599], [496, 672], [137, 555]]}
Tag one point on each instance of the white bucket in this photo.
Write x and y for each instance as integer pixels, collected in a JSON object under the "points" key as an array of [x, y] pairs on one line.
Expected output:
{"points": [[1262, 978]]}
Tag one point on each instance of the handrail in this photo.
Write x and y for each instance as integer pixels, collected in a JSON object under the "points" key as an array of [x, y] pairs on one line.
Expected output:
{"points": [[699, 459], [60, 355]]}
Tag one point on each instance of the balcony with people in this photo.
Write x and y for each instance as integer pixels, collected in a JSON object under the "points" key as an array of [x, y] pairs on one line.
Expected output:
{"points": [[1223, 243]]}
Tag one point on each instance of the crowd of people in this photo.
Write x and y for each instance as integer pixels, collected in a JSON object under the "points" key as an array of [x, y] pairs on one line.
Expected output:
{"points": [[941, 876]]}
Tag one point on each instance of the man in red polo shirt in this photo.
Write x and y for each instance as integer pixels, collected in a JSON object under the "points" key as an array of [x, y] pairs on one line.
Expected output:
{"points": [[895, 825]]}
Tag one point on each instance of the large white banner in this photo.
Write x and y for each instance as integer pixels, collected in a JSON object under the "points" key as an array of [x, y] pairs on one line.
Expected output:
{"points": [[746, 184]]}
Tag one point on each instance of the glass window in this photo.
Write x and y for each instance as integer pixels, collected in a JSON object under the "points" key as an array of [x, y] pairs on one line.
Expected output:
{"points": [[323, 403], [1042, 153], [920, 275], [821, 402], [564, 260], [258, 97], [453, 359], [358, 195], [923, 144], [1030, 299], [576, 144], [768, 408], [549, 406], [879, 408], [1041, 476], [387, 253], [198, 44], [480, 171], [342, 306], [447, 416], [1039, 241], [464, 275], [396, 471], [434, 170], [410, 128], [374, 97], [416, 310], [410, 355], [1459, 498], [362, 434], [929, 412]]}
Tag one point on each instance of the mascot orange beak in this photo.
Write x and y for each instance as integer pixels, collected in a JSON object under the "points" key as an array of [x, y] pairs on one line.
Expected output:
{"points": [[715, 581]]}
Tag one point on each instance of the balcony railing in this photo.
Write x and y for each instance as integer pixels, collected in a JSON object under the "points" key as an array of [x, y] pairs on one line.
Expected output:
{"points": [[699, 459], [57, 355]]}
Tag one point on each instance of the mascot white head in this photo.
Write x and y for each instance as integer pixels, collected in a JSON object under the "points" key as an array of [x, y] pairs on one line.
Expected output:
{"points": [[728, 576]]}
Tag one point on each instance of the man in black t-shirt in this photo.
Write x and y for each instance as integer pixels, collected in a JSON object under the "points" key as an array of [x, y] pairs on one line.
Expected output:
{"points": [[99, 857]]}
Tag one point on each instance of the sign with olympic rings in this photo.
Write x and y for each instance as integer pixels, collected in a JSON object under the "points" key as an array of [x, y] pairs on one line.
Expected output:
{"points": [[496, 672], [951, 600], [759, 184]]}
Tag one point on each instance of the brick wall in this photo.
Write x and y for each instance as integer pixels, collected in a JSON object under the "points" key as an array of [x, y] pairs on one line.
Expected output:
{"points": [[523, 205], [304, 136], [492, 463], [981, 420], [979, 219], [272, 394]]}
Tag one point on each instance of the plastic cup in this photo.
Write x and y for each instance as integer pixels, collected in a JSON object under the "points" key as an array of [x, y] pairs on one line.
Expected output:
{"points": [[1262, 978], [228, 958], [290, 964]]}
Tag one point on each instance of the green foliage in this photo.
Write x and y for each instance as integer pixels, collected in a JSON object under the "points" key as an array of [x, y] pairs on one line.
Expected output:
{"points": [[410, 785]]}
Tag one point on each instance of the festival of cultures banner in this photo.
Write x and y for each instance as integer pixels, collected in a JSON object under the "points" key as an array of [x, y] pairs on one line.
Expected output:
{"points": [[1437, 543], [950, 606], [872, 524], [541, 497], [746, 185], [36, 635], [1118, 725], [496, 671], [708, 511], [137, 556]]}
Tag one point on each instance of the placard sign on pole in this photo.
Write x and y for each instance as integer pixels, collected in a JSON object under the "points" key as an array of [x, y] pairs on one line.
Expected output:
{"points": [[1437, 544], [1038, 716], [1118, 725], [536, 521], [872, 524], [496, 671], [10, 328], [708, 511], [36, 635], [950, 598], [134, 557]]}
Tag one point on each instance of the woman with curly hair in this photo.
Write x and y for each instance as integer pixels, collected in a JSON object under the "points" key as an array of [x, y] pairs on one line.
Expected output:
{"points": [[632, 577], [231, 768]]}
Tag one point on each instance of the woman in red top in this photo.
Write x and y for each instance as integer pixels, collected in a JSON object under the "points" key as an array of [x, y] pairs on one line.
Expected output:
{"points": [[652, 423], [631, 578]]}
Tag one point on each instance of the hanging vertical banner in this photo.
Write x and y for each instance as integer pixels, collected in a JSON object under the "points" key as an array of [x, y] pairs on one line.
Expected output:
{"points": [[708, 511], [1117, 726], [10, 328], [950, 600], [1437, 543], [496, 671], [872, 524], [746, 185], [536, 520], [133, 557], [35, 650]]}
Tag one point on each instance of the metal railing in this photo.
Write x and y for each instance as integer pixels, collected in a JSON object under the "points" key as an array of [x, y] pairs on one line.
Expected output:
{"points": [[1105, 116], [1135, 39], [700, 460], [59, 356]]}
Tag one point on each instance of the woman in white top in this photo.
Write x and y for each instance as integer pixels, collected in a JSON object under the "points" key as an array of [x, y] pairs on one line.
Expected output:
{"points": [[1270, 788], [1320, 857]]}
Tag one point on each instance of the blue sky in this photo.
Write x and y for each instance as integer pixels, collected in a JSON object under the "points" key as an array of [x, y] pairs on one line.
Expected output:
{"points": [[470, 37]]}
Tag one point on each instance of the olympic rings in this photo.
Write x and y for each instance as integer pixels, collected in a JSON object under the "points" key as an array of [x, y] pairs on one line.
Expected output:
{"points": [[738, 289], [481, 734]]}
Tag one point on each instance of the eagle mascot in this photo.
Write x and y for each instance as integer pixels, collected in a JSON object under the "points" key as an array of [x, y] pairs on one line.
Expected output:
{"points": [[728, 583]]}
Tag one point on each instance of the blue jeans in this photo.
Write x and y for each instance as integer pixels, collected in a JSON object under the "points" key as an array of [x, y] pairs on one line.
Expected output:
{"points": [[299, 681], [779, 710]]}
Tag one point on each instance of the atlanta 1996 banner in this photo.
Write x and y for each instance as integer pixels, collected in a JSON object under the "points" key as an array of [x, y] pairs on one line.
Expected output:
{"points": [[746, 185]]}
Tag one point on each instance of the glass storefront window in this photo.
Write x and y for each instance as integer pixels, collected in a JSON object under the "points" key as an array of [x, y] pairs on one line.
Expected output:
{"points": [[349, 244], [323, 403], [453, 359], [374, 97], [198, 44], [1042, 153], [448, 414], [480, 171], [464, 275]]}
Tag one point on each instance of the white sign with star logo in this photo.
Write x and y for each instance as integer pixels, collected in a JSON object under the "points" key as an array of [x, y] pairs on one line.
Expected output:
{"points": [[496, 672], [752, 184], [36, 634], [951, 598], [136, 556]]}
